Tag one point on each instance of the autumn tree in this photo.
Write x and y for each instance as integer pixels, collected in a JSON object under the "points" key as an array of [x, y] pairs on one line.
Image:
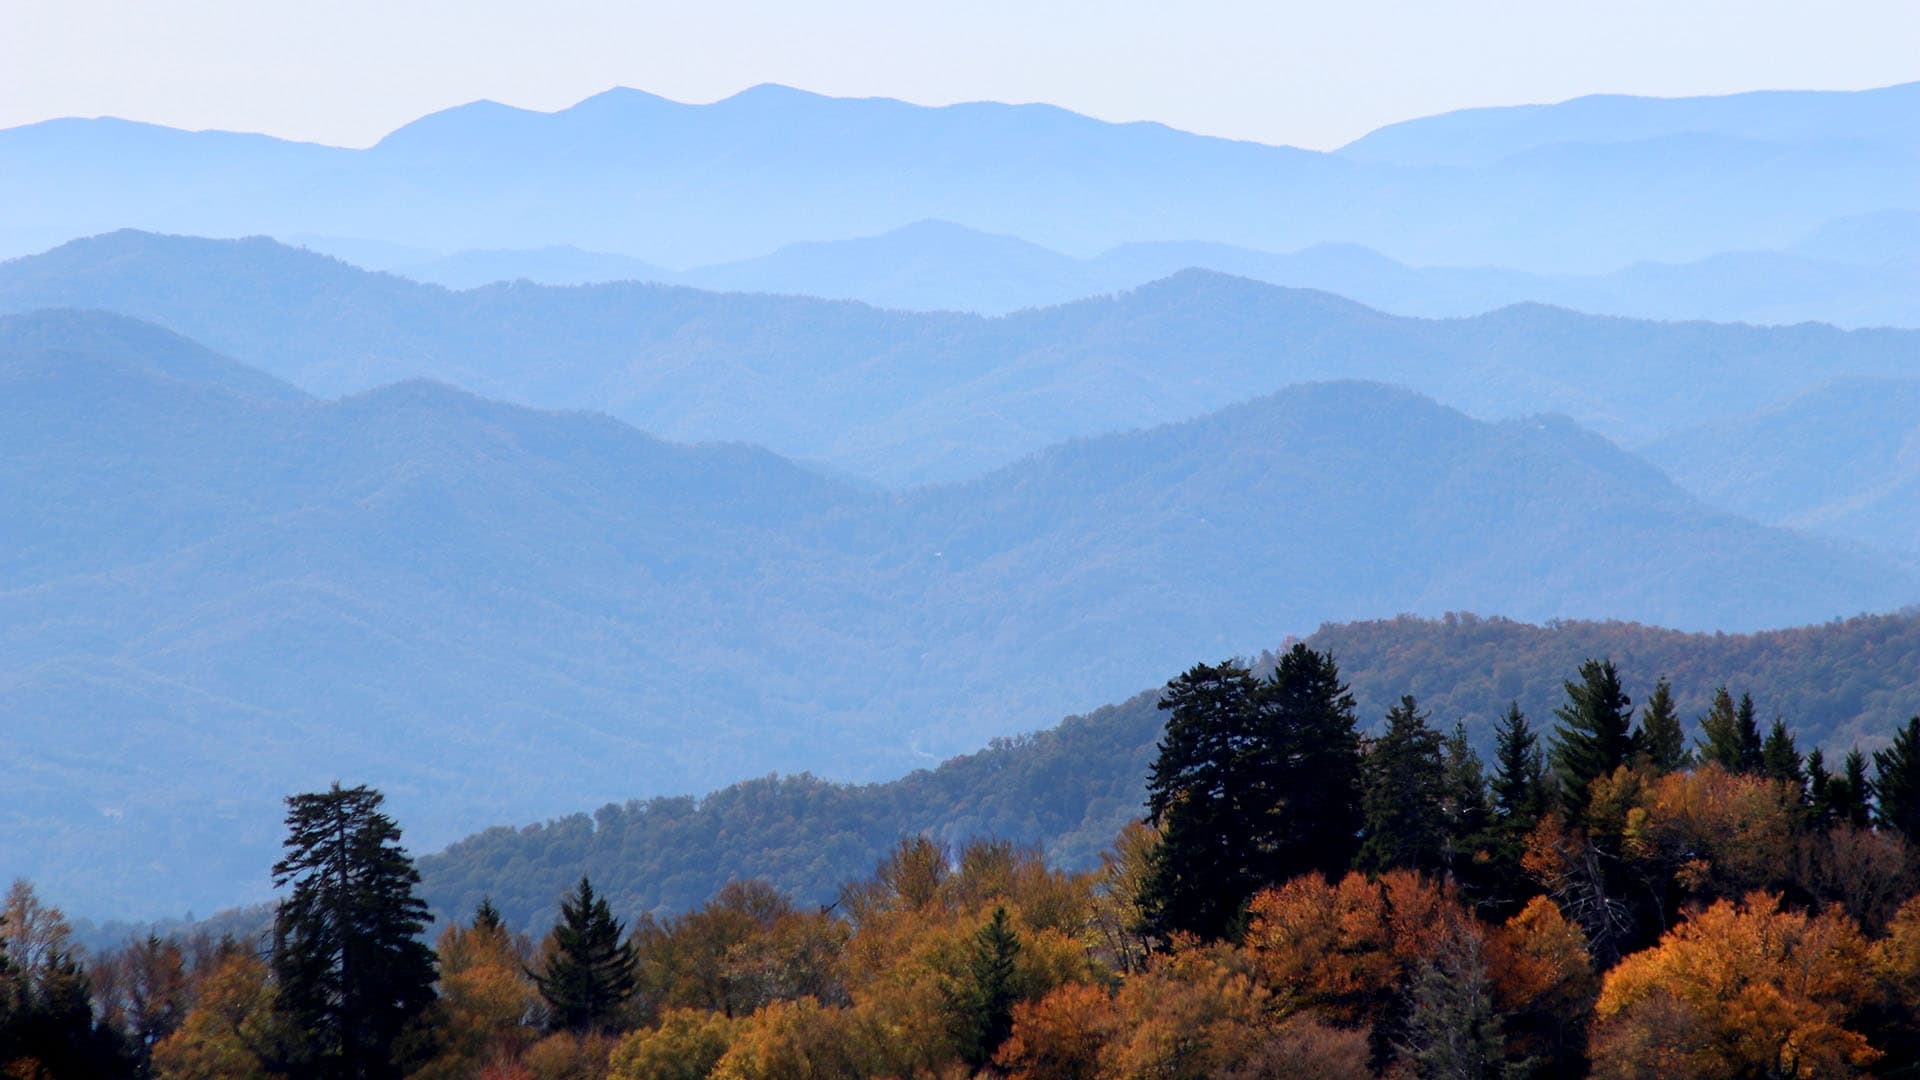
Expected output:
{"points": [[353, 975], [1745, 989], [1595, 734], [589, 969], [487, 1000]]}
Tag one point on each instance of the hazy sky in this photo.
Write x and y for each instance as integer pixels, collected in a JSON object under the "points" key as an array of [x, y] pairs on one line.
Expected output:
{"points": [[1311, 74]]}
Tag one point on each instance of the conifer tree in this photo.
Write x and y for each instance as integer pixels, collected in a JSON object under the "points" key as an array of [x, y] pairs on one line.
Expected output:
{"points": [[1521, 797], [1256, 782], [1819, 790], [1464, 806], [1403, 800], [353, 975], [1595, 735], [1896, 783], [1665, 746], [983, 1004], [1720, 732], [1780, 758], [1851, 793], [589, 971]]}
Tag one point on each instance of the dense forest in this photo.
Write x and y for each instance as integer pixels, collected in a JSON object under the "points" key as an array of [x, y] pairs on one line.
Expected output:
{"points": [[1070, 788], [1600, 895]]}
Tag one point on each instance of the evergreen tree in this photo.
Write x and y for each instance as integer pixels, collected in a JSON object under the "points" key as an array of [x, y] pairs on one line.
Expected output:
{"points": [[1665, 748], [1464, 806], [1748, 727], [1851, 793], [1595, 735], [982, 1005], [1453, 1029], [1404, 795], [1256, 782], [1819, 791], [589, 971], [1896, 783], [1720, 732], [1521, 797], [1780, 758], [353, 974]]}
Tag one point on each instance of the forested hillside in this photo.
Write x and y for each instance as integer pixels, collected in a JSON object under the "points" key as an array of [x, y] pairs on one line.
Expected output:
{"points": [[1071, 788], [901, 398]]}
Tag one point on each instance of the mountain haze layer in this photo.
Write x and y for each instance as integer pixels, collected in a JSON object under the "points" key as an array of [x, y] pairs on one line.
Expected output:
{"points": [[900, 398], [226, 591]]}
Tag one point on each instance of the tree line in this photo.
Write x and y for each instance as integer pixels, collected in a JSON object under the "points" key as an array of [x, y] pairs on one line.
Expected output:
{"points": [[1301, 898]]}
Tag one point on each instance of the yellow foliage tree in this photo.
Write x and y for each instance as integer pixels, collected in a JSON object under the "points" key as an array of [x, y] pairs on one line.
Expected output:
{"points": [[1738, 990]]}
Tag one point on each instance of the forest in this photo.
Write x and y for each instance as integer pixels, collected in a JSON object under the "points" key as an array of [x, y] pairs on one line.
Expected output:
{"points": [[1599, 894]]}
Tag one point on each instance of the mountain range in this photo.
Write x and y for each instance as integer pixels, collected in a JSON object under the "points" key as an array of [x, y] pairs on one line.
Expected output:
{"points": [[1589, 185], [899, 398], [228, 590], [1851, 273]]}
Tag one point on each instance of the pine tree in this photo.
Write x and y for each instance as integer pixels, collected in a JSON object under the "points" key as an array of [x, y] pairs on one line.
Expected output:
{"points": [[1453, 1029], [1780, 758], [1464, 806], [1521, 797], [1256, 782], [982, 1006], [589, 971], [1405, 788], [1851, 793], [1595, 735], [1748, 728], [1819, 791], [1720, 732], [1896, 783], [353, 975], [1665, 748]]}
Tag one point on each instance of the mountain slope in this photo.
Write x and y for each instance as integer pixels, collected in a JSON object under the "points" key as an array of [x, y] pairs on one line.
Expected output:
{"points": [[224, 598], [1842, 459], [902, 397], [1070, 788]]}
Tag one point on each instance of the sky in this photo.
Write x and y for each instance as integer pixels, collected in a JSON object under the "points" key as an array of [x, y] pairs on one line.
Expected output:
{"points": [[1314, 74]]}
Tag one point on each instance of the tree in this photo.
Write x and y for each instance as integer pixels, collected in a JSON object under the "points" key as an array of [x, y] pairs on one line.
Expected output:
{"points": [[1732, 735], [1521, 797], [982, 1005], [1780, 758], [1851, 793], [1256, 782], [589, 972], [1896, 783], [1405, 780], [1665, 744], [1595, 734], [353, 975], [1464, 808]]}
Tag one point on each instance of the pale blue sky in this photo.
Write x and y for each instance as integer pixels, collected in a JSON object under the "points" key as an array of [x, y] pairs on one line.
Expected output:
{"points": [[1309, 74]]}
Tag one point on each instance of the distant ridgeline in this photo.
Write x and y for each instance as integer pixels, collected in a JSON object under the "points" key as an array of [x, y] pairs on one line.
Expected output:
{"points": [[1071, 788]]}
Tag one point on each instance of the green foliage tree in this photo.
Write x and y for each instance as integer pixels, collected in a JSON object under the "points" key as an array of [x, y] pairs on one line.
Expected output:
{"points": [[1595, 735], [1731, 734], [982, 1005], [1255, 782], [1896, 783], [1780, 758], [1851, 793], [1819, 790], [1664, 743], [1521, 797], [1465, 809], [354, 977], [589, 972], [1405, 787]]}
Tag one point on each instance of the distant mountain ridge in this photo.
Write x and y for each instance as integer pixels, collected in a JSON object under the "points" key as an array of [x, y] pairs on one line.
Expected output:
{"points": [[682, 185], [902, 398], [226, 595], [939, 266]]}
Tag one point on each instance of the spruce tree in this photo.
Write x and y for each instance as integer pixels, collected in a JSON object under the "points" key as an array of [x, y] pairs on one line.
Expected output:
{"points": [[1464, 806], [1720, 732], [353, 974], [1896, 783], [982, 1006], [1780, 758], [1256, 782], [1403, 800], [1521, 797], [1851, 793], [1819, 790], [1747, 728], [589, 971], [1665, 746], [1595, 735]]}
